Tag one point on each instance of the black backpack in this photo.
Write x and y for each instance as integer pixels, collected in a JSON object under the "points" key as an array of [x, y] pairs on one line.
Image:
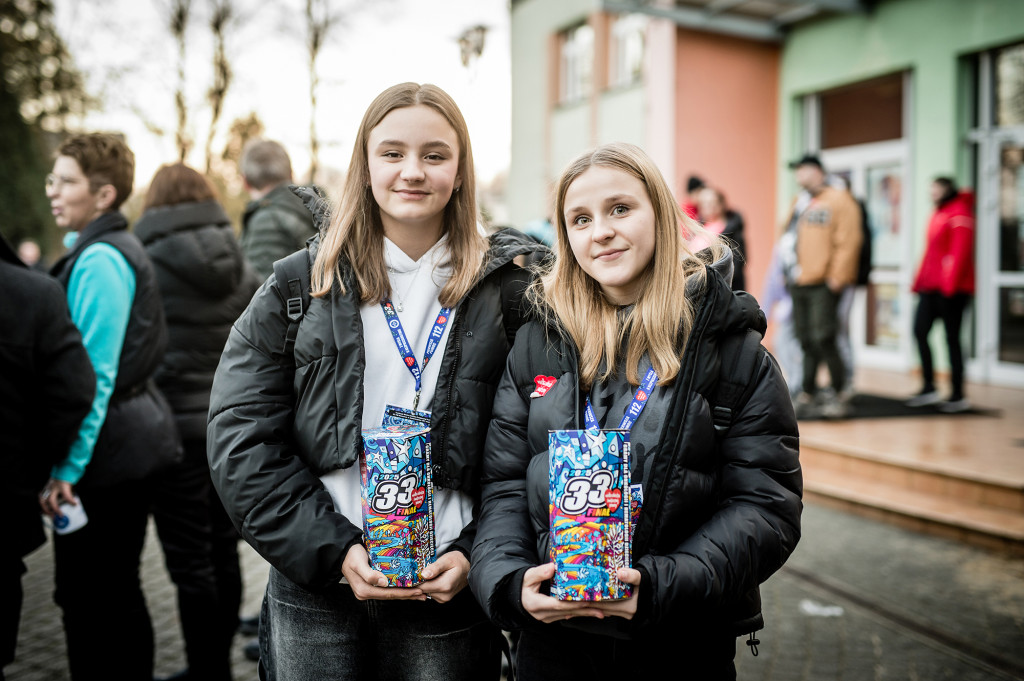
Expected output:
{"points": [[864, 263]]}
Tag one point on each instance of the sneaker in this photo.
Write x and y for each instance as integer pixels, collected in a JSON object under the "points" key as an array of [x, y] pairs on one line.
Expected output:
{"points": [[834, 408], [924, 399], [805, 405], [954, 406]]}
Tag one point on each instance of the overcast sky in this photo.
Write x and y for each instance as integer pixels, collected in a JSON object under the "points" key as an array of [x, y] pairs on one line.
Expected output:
{"points": [[129, 58]]}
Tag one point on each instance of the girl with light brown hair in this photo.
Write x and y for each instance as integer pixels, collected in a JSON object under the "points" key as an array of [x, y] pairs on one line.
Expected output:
{"points": [[400, 267], [636, 334]]}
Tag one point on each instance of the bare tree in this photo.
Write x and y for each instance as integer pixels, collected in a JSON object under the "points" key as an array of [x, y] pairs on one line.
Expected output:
{"points": [[318, 22], [221, 15], [178, 22]]}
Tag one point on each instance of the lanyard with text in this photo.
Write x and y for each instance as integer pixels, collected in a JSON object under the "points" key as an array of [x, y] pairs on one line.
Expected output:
{"points": [[405, 349], [635, 407]]}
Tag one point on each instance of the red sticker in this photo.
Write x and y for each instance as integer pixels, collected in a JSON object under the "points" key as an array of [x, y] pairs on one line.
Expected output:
{"points": [[613, 498], [544, 384], [418, 495]]}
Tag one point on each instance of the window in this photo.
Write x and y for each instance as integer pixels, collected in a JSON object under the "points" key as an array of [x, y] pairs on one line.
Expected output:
{"points": [[577, 64], [1009, 79], [869, 111], [626, 55]]}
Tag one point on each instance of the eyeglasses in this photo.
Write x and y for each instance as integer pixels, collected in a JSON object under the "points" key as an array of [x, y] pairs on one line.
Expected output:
{"points": [[56, 182]]}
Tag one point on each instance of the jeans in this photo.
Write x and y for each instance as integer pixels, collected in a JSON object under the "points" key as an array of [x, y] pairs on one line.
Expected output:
{"points": [[201, 551], [96, 570], [931, 306], [815, 323], [565, 654], [329, 634]]}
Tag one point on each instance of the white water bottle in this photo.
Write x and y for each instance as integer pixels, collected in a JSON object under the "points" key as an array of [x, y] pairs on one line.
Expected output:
{"points": [[72, 517]]}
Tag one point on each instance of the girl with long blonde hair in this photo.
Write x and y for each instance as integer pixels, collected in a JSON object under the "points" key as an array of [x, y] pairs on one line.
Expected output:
{"points": [[636, 333], [411, 310]]}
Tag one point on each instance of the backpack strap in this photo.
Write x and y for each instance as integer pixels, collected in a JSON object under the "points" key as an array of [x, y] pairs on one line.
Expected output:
{"points": [[741, 357], [291, 275]]}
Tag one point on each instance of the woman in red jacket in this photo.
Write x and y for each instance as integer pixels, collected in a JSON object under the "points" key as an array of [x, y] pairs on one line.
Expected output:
{"points": [[945, 285]]}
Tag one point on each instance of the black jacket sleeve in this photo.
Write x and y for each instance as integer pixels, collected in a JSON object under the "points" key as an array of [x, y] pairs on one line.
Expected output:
{"points": [[756, 524], [505, 545], [277, 503]]}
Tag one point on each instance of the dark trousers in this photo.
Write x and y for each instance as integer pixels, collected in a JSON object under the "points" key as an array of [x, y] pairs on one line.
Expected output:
{"points": [[931, 306], [11, 569], [24, 534], [106, 623], [815, 324], [201, 552], [562, 653]]}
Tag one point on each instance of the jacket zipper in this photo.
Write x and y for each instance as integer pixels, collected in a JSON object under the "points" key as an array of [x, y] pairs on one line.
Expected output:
{"points": [[438, 468], [644, 548]]}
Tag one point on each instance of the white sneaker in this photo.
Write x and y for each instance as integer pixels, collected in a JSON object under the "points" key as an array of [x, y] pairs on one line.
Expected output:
{"points": [[924, 399], [954, 406], [834, 408]]}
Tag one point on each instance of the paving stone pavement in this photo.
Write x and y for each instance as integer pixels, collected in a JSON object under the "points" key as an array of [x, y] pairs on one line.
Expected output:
{"points": [[41, 654], [859, 600]]}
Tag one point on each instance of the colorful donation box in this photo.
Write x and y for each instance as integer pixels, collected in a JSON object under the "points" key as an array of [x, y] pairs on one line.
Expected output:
{"points": [[398, 505], [591, 522]]}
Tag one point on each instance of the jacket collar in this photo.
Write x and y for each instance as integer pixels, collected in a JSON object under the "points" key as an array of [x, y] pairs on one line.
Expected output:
{"points": [[108, 222]]}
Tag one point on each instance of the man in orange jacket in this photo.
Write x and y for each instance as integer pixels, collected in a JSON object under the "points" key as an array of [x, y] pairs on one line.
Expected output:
{"points": [[824, 238]]}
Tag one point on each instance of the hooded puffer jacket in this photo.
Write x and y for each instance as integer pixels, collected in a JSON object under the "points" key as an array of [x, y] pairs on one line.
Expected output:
{"points": [[947, 266], [720, 515], [205, 284], [280, 420]]}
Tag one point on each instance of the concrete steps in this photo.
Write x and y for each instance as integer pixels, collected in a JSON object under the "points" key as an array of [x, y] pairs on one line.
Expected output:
{"points": [[974, 507]]}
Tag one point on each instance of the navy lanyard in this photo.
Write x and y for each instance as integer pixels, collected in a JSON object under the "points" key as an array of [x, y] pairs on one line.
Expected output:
{"points": [[405, 349], [640, 398]]}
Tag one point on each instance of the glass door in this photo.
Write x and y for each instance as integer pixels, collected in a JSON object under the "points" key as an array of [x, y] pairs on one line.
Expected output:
{"points": [[880, 317], [997, 147], [1001, 251]]}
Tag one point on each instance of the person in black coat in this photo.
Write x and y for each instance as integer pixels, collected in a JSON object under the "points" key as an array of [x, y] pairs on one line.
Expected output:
{"points": [[627, 304], [46, 389], [718, 218], [205, 284]]}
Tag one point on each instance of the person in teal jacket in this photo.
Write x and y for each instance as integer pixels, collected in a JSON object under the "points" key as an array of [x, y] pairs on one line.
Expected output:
{"points": [[129, 432]]}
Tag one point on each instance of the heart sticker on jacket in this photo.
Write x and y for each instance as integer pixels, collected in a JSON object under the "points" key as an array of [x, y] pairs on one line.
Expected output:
{"points": [[613, 499], [544, 384], [418, 495]]}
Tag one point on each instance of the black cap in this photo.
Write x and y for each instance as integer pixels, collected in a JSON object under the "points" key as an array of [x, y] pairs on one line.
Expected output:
{"points": [[807, 160], [693, 183]]}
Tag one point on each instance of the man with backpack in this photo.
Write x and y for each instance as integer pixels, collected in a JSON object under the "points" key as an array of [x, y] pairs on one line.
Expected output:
{"points": [[823, 240]]}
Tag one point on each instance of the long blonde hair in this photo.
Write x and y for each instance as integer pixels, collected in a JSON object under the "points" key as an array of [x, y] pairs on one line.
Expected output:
{"points": [[662, 317], [356, 231]]}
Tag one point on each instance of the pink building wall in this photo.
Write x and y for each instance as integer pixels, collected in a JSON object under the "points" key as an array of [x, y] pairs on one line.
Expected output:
{"points": [[727, 128]]}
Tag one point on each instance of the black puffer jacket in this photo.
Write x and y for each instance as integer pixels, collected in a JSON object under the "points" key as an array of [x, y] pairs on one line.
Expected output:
{"points": [[718, 518], [46, 388], [205, 284], [278, 422]]}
